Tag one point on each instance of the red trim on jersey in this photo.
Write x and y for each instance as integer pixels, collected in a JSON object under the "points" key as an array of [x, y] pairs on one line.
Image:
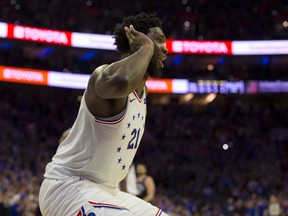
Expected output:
{"points": [[138, 98], [159, 212]]}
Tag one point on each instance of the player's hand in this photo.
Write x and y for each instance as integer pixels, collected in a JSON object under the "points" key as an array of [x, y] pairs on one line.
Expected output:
{"points": [[137, 39]]}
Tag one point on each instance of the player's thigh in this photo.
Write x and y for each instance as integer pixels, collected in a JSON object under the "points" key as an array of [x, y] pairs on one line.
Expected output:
{"points": [[90, 209], [137, 206], [100, 202], [77, 197]]}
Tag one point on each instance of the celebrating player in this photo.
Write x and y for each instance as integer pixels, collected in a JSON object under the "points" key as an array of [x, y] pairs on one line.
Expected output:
{"points": [[84, 174]]}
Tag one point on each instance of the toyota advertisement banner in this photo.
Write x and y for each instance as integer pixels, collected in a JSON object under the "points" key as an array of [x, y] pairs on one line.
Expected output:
{"points": [[106, 42]]}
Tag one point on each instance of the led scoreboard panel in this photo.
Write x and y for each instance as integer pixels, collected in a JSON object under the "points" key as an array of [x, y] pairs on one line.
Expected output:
{"points": [[217, 87]]}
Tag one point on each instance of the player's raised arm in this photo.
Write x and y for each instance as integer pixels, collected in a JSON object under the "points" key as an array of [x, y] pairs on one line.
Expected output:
{"points": [[120, 78]]}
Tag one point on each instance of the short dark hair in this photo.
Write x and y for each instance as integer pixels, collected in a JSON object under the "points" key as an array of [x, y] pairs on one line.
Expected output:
{"points": [[141, 22]]}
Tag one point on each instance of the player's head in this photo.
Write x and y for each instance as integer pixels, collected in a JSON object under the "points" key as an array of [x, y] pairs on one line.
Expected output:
{"points": [[150, 25]]}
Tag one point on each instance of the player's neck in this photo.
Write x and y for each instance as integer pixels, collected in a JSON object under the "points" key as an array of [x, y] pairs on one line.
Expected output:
{"points": [[140, 89]]}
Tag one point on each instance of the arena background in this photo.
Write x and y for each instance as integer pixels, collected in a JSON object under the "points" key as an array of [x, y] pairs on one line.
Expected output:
{"points": [[217, 125]]}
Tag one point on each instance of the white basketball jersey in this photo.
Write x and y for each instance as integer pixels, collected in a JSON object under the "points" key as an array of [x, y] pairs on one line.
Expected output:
{"points": [[101, 150]]}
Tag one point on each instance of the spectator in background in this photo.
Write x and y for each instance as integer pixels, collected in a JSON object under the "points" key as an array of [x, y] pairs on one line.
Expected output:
{"points": [[145, 183], [240, 209], [274, 207], [4, 204], [129, 184]]}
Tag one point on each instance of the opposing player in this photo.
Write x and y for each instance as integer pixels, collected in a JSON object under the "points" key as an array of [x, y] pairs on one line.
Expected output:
{"points": [[84, 174]]}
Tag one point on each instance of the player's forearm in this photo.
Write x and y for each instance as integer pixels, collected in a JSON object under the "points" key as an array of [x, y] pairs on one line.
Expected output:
{"points": [[148, 198], [136, 66], [122, 77]]}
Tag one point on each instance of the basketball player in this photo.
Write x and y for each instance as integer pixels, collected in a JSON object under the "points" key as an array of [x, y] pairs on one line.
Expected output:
{"points": [[84, 174]]}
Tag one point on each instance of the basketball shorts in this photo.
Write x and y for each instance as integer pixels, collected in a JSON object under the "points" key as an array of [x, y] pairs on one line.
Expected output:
{"points": [[76, 196]]}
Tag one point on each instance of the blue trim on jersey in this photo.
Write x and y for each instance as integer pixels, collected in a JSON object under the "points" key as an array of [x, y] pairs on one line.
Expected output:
{"points": [[105, 205]]}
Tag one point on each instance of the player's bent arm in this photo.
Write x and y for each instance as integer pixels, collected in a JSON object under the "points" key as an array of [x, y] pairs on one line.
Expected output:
{"points": [[150, 186], [120, 78]]}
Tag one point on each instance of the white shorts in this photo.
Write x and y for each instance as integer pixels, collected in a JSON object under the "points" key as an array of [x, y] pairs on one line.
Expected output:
{"points": [[76, 196]]}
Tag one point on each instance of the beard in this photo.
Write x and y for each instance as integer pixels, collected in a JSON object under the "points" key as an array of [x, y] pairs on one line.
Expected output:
{"points": [[153, 70]]}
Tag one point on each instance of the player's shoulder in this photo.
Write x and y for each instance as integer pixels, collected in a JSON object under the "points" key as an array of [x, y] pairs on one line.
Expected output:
{"points": [[99, 69], [95, 74]]}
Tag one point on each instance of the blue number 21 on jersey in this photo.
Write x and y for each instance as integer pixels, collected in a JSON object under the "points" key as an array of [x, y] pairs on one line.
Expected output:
{"points": [[133, 143]]}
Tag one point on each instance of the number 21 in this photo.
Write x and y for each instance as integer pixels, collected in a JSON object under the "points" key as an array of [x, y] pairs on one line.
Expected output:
{"points": [[135, 135]]}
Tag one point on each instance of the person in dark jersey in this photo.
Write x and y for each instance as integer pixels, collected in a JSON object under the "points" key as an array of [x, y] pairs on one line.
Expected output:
{"points": [[145, 183]]}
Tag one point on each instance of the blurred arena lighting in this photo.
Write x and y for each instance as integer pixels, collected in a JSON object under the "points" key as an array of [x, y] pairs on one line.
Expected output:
{"points": [[89, 3], [188, 9], [166, 86], [184, 99], [210, 97], [184, 2], [225, 146], [210, 67], [45, 52], [178, 59], [265, 60], [106, 42], [88, 55], [6, 45], [162, 100], [187, 24], [221, 60]]}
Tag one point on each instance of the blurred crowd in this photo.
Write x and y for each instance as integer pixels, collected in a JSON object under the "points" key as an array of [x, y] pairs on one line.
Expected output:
{"points": [[182, 19], [226, 158], [208, 19]]}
